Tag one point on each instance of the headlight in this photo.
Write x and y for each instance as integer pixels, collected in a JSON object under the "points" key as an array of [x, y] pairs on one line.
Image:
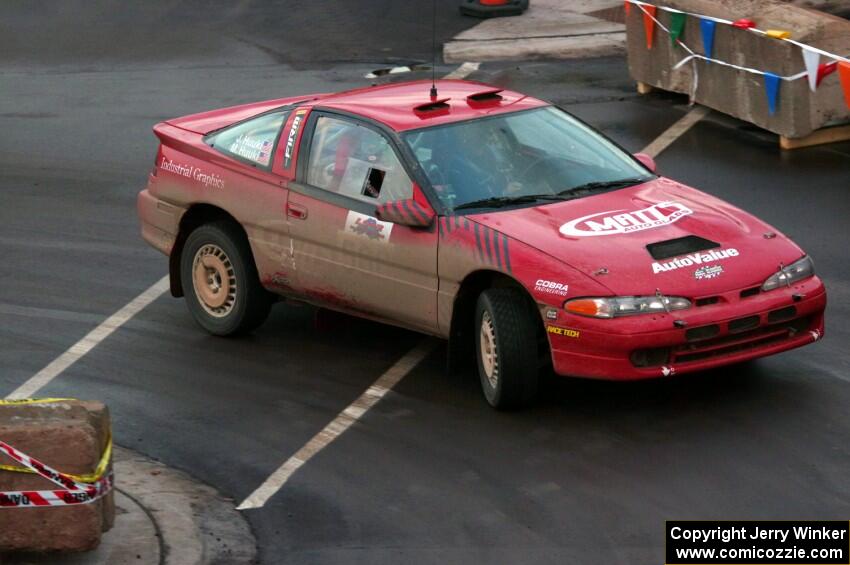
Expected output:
{"points": [[794, 272], [625, 305]]}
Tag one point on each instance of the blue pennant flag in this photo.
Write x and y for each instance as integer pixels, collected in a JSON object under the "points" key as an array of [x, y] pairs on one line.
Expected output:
{"points": [[707, 27], [771, 87]]}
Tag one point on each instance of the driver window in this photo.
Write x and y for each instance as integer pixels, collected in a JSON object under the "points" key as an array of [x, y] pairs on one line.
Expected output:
{"points": [[357, 162]]}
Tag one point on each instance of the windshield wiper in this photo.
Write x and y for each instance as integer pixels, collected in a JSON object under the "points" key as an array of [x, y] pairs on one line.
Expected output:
{"points": [[501, 201], [599, 186]]}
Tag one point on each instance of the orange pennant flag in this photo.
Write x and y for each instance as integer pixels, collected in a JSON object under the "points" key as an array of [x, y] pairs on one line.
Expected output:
{"points": [[649, 23], [844, 76]]}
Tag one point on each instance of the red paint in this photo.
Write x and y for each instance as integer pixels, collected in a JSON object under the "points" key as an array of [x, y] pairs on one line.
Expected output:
{"points": [[649, 23], [595, 246], [744, 23]]}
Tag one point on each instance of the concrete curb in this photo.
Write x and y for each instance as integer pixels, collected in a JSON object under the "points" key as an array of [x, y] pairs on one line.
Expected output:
{"points": [[163, 517], [550, 29]]}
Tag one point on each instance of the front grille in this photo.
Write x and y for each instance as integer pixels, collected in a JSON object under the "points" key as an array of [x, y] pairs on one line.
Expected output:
{"points": [[752, 291], [698, 348], [743, 341], [781, 315], [743, 324], [651, 357], [707, 301], [702, 332]]}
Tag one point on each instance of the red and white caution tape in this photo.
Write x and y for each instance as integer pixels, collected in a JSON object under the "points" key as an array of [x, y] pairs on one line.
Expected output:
{"points": [[71, 493]]}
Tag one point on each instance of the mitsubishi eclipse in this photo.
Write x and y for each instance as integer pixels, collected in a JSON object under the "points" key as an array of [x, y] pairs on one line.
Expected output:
{"points": [[476, 214]]}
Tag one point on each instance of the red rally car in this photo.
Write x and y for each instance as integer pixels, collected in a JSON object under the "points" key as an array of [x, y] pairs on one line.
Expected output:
{"points": [[480, 215]]}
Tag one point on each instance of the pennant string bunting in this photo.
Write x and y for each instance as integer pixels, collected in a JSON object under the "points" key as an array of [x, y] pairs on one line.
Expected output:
{"points": [[815, 71]]}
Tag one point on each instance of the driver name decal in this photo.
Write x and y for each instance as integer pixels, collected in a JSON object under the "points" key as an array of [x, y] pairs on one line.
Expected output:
{"points": [[621, 221]]}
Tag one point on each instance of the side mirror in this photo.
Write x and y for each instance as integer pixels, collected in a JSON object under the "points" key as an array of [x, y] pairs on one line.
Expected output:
{"points": [[406, 212], [648, 161]]}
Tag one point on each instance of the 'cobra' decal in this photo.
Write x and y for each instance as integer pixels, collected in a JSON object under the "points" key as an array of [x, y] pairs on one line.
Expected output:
{"points": [[491, 246]]}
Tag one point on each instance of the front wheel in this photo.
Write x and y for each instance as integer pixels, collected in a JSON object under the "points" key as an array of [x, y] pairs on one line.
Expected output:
{"points": [[220, 281], [506, 348]]}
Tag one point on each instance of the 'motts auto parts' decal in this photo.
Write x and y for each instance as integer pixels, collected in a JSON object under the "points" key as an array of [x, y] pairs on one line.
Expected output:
{"points": [[563, 331], [292, 136], [551, 287], [621, 221], [696, 259], [368, 227], [191, 172]]}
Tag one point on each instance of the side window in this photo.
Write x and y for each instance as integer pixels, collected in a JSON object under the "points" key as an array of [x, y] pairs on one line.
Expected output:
{"points": [[253, 140], [357, 162]]}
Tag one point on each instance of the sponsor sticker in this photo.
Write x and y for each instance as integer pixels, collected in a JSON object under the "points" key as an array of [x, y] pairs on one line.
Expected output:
{"points": [[708, 272], [563, 331], [290, 138], [551, 287], [191, 172], [615, 222], [552, 314], [367, 226], [696, 259]]}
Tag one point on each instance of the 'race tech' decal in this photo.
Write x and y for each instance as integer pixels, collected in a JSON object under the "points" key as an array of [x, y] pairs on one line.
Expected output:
{"points": [[695, 259], [620, 221]]}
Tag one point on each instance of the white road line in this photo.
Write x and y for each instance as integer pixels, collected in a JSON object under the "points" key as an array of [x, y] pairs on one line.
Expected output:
{"points": [[675, 131], [89, 342], [463, 71], [354, 411], [344, 420]]}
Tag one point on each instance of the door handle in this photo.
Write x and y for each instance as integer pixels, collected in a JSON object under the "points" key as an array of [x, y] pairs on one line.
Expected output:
{"points": [[296, 211]]}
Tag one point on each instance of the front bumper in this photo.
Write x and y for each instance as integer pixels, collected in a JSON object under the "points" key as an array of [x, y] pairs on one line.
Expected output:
{"points": [[735, 328]]}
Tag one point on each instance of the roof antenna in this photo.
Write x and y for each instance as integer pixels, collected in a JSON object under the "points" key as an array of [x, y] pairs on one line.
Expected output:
{"points": [[434, 50]]}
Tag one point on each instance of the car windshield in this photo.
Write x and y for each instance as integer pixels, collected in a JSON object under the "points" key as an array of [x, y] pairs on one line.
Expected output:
{"points": [[533, 156]]}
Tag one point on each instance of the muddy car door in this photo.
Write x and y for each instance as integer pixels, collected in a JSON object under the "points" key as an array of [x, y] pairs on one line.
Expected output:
{"points": [[343, 254]]}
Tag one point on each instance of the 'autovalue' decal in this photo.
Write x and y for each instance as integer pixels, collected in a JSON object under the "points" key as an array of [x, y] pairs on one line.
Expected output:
{"points": [[695, 259], [620, 221]]}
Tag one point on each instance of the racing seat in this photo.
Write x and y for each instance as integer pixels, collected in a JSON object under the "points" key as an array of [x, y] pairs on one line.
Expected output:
{"points": [[349, 140]]}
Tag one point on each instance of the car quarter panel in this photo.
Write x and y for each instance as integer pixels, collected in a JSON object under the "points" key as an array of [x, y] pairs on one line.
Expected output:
{"points": [[189, 173]]}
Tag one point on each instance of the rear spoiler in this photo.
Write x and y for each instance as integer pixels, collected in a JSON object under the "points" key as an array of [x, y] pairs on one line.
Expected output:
{"points": [[206, 122]]}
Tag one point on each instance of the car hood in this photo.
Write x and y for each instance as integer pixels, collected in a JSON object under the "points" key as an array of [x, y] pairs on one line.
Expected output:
{"points": [[606, 235]]}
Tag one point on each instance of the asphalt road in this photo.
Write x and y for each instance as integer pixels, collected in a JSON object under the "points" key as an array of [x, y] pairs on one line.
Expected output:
{"points": [[431, 474]]}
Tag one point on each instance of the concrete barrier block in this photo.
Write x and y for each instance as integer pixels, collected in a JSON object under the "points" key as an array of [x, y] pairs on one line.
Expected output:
{"points": [[742, 94], [70, 436]]}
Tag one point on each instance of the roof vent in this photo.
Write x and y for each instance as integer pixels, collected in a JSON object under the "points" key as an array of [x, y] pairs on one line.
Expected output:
{"points": [[485, 97], [433, 108]]}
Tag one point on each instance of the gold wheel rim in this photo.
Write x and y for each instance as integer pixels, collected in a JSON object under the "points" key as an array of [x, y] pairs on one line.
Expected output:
{"points": [[214, 280], [489, 353]]}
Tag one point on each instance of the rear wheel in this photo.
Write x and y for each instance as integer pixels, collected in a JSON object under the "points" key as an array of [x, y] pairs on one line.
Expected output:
{"points": [[220, 280], [506, 348]]}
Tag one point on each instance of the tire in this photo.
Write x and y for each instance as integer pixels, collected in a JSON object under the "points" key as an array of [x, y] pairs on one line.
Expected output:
{"points": [[506, 348], [220, 280]]}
